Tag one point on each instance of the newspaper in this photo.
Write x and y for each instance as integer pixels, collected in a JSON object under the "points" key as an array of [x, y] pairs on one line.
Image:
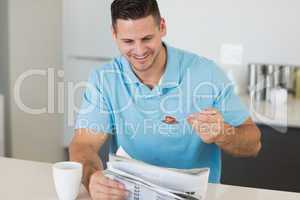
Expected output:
{"points": [[148, 182]]}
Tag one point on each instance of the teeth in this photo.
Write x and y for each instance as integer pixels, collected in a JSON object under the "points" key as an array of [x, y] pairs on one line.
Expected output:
{"points": [[137, 57]]}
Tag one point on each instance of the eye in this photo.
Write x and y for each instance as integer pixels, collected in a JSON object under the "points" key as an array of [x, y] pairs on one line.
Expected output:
{"points": [[128, 41], [147, 39]]}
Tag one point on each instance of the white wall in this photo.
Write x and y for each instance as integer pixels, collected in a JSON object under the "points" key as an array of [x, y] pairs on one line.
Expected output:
{"points": [[268, 30], [35, 43], [86, 28]]}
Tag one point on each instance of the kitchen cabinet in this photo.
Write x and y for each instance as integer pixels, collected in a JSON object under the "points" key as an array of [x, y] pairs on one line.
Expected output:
{"points": [[30, 39], [87, 44], [276, 167]]}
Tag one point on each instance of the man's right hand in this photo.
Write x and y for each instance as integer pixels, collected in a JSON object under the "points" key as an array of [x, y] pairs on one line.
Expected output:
{"points": [[103, 188], [84, 148]]}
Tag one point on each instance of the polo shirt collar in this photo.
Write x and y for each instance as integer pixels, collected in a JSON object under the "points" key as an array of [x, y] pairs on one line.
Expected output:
{"points": [[128, 74], [169, 79]]}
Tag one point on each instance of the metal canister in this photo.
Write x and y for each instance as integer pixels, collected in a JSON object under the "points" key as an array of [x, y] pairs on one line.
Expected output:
{"points": [[251, 78], [287, 74], [276, 76], [269, 80], [260, 93]]}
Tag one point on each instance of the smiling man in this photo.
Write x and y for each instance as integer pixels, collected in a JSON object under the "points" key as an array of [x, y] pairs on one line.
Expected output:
{"points": [[163, 105]]}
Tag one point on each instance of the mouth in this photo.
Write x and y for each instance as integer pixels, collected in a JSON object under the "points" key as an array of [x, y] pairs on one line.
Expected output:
{"points": [[141, 58]]}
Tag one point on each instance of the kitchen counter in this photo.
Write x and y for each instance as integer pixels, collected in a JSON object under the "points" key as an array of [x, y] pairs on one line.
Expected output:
{"points": [[263, 112], [33, 180]]}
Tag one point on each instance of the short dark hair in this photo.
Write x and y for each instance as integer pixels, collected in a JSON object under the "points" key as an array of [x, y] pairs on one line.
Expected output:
{"points": [[134, 9]]}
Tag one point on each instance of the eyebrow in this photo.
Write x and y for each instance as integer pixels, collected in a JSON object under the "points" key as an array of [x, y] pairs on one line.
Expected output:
{"points": [[128, 39]]}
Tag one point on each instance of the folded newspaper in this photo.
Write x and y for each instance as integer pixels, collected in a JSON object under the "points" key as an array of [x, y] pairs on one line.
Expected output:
{"points": [[148, 182]]}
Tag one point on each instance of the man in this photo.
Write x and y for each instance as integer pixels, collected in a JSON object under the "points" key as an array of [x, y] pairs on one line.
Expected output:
{"points": [[162, 105]]}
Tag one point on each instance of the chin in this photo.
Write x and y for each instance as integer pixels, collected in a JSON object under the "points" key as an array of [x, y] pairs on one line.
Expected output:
{"points": [[141, 68]]}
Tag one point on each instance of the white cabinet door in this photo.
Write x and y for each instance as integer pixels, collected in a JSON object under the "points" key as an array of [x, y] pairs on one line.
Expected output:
{"points": [[87, 28], [87, 43], [75, 76]]}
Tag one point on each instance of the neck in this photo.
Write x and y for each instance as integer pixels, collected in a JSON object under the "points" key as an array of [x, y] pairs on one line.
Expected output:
{"points": [[152, 76]]}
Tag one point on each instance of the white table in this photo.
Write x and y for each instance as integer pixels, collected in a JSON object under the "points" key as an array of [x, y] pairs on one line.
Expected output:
{"points": [[27, 180]]}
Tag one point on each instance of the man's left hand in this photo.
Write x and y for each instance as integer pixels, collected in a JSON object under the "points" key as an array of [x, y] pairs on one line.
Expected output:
{"points": [[209, 124]]}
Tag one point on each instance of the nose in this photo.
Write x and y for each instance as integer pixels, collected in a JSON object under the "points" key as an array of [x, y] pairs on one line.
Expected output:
{"points": [[139, 49]]}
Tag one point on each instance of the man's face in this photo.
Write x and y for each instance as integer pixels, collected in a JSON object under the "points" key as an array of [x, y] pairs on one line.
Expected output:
{"points": [[140, 41]]}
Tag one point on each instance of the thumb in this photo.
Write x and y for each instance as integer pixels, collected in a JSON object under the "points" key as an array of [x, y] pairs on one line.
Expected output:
{"points": [[209, 111], [192, 120]]}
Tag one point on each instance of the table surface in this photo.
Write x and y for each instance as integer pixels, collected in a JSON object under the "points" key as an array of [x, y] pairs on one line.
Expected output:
{"points": [[29, 180]]}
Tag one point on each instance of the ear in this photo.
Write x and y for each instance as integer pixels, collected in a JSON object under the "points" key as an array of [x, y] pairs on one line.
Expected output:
{"points": [[114, 34], [163, 27]]}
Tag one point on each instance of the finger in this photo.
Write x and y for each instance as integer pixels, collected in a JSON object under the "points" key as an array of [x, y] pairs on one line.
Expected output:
{"points": [[209, 111], [112, 191], [102, 196], [201, 118], [192, 118], [199, 127], [207, 126], [207, 140], [204, 112], [98, 189], [111, 183], [102, 184], [193, 115], [204, 132]]}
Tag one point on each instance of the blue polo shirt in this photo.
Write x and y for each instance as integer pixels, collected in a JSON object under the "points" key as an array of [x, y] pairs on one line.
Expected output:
{"points": [[118, 103]]}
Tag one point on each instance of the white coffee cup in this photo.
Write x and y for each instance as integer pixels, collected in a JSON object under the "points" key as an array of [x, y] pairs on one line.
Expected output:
{"points": [[67, 179]]}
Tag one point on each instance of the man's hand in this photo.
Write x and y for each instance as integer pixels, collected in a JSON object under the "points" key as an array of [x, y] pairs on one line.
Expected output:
{"points": [[208, 124], [103, 188], [241, 141]]}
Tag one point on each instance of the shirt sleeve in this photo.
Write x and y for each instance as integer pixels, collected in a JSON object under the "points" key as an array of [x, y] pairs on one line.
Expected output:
{"points": [[95, 113], [226, 101]]}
